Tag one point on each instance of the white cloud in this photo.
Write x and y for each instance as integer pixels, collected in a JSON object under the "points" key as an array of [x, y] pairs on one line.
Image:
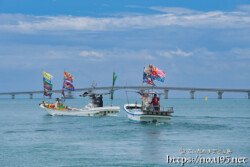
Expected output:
{"points": [[164, 53], [241, 54], [90, 54], [34, 56], [233, 63], [236, 54], [41, 56], [117, 53], [171, 53], [174, 16], [244, 7], [131, 54], [176, 10], [181, 53], [44, 56], [201, 61], [210, 57]]}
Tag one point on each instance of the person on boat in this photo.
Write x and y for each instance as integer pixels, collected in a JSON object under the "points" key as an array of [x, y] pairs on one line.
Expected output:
{"points": [[57, 103], [100, 101], [95, 101], [155, 102]]}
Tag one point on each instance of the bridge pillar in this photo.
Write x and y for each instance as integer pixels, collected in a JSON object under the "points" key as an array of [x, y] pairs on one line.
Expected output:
{"points": [[248, 95], [166, 93], [192, 94], [13, 96], [220, 94], [31, 96]]}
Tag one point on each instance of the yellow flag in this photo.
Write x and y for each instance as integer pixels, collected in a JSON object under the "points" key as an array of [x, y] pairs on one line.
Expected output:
{"points": [[47, 75]]}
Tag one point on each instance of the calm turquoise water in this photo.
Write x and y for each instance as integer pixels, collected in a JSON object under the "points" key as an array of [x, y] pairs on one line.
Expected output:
{"points": [[30, 137]]}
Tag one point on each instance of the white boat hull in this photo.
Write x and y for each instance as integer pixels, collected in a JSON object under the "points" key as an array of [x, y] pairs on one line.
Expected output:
{"points": [[97, 111], [138, 116]]}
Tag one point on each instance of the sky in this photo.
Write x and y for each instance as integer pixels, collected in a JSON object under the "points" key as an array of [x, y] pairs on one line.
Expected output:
{"points": [[197, 43]]}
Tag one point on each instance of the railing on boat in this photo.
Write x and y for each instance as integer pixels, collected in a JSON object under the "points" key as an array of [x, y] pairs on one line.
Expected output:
{"points": [[163, 110], [149, 110]]}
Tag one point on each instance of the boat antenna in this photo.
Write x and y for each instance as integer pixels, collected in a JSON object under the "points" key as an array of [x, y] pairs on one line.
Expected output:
{"points": [[127, 97], [93, 86]]}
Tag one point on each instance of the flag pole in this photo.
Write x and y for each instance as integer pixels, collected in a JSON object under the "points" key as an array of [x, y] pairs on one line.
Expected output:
{"points": [[63, 93], [142, 85], [143, 74], [43, 91], [112, 92]]}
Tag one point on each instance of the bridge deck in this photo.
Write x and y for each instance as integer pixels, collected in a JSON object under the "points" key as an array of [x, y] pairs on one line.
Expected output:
{"points": [[220, 91], [137, 87]]}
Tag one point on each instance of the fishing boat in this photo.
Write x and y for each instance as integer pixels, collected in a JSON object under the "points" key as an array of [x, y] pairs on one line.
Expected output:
{"points": [[89, 110], [94, 108], [150, 109], [145, 112], [136, 114]]}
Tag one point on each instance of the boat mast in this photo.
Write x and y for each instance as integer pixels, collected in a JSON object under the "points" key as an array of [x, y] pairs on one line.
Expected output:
{"points": [[93, 87], [43, 91], [112, 91], [127, 97], [142, 90], [63, 93]]}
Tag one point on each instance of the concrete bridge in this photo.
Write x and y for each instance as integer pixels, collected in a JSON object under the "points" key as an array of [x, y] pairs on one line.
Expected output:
{"points": [[165, 89]]}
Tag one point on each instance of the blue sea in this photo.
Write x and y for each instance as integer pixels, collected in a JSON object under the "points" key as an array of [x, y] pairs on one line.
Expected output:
{"points": [[29, 137]]}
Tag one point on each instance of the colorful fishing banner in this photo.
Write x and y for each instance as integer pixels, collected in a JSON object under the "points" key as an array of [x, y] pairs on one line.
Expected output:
{"points": [[114, 78], [47, 76], [112, 90], [146, 78], [67, 85], [47, 83], [156, 74], [48, 87], [68, 77], [47, 80]]}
